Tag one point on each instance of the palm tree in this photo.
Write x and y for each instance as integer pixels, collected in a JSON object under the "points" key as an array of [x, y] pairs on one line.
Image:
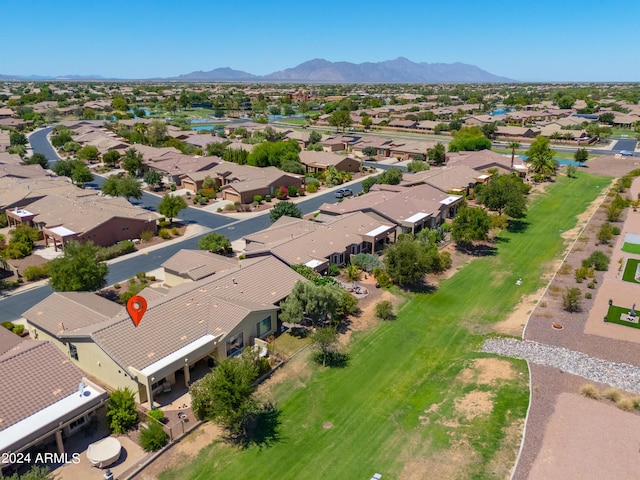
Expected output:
{"points": [[513, 146], [352, 272]]}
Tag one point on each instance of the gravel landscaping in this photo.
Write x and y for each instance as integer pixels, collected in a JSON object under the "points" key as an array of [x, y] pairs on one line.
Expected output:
{"points": [[620, 375]]}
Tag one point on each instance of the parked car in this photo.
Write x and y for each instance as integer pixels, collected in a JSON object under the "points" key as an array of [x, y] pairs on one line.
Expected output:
{"points": [[343, 192], [626, 153]]}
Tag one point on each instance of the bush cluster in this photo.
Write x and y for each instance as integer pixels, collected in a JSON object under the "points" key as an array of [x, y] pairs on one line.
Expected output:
{"points": [[36, 272], [117, 250]]}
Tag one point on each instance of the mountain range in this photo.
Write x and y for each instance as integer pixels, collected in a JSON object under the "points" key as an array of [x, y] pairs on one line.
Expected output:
{"points": [[400, 70]]}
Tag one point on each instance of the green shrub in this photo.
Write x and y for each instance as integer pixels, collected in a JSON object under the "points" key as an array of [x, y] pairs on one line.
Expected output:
{"points": [[312, 187], [7, 325], [164, 224], [117, 286], [571, 300], [153, 437], [257, 199], [267, 198], [173, 187], [146, 236], [384, 310], [590, 391], [366, 261], [219, 210], [117, 250], [36, 272], [3, 220], [598, 260], [164, 233], [591, 285], [229, 207], [175, 231], [18, 329], [121, 411], [382, 277], [293, 191], [334, 269], [615, 230], [588, 296], [157, 415]]}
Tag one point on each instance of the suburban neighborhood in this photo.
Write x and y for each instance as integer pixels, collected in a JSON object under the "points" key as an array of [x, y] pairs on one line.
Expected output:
{"points": [[242, 278]]}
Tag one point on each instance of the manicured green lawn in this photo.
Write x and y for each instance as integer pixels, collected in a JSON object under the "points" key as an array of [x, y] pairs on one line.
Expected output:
{"points": [[629, 274], [377, 405], [613, 316], [294, 121], [631, 247]]}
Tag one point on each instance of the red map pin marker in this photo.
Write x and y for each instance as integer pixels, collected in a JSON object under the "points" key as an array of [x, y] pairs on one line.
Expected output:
{"points": [[136, 306]]}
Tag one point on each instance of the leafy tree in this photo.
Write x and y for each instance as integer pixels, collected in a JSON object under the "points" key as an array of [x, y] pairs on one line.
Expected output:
{"points": [[132, 162], [318, 301], [171, 205], [417, 166], [111, 158], [129, 187], [216, 243], [489, 130], [153, 437], [110, 186], [572, 300], [274, 153], [607, 117], [393, 176], [292, 166], [571, 171], [325, 341], [408, 261], [23, 240], [566, 101], [470, 224], [63, 168], [17, 138], [581, 155], [369, 151], [384, 310], [366, 121], [540, 158], [504, 194], [314, 137], [81, 174], [37, 159], [352, 272], [366, 261], [469, 139], [157, 132], [437, 155], [61, 138], [78, 270], [120, 103], [153, 177], [340, 119], [17, 150], [226, 394], [285, 208], [369, 182], [36, 472], [121, 411], [598, 260]]}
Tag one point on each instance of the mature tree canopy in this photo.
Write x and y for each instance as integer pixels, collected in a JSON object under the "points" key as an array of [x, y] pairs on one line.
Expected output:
{"points": [[274, 153], [171, 205], [470, 224], [157, 132], [132, 162], [127, 187], [437, 155], [225, 395], [37, 159], [504, 193], [88, 152], [393, 176], [78, 270], [317, 301], [17, 138], [121, 411], [581, 155], [81, 174], [111, 158], [408, 260], [325, 342], [153, 177], [288, 209], [340, 119], [469, 139], [216, 243]]}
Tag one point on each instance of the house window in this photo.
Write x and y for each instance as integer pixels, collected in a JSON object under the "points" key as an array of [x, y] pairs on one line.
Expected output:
{"points": [[77, 424], [235, 344], [264, 326], [73, 351]]}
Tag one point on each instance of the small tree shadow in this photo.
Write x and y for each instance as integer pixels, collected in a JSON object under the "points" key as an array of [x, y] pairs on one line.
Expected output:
{"points": [[262, 429], [479, 250], [517, 226], [333, 359]]}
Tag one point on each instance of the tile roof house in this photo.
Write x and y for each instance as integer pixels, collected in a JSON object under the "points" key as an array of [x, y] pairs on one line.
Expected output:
{"points": [[318, 245], [318, 161], [218, 316], [240, 183], [105, 221], [484, 160], [43, 396], [193, 265], [410, 209]]}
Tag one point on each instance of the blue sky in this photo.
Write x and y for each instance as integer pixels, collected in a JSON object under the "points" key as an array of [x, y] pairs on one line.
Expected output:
{"points": [[559, 40]]}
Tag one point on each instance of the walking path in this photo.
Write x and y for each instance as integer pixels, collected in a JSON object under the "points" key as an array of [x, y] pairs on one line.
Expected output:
{"points": [[620, 375]]}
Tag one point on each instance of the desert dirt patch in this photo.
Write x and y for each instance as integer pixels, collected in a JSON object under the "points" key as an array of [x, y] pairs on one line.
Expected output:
{"points": [[474, 404], [487, 371], [182, 452], [443, 465]]}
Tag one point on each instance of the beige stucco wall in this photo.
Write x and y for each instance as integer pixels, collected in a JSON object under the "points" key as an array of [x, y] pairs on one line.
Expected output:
{"points": [[172, 280], [249, 327]]}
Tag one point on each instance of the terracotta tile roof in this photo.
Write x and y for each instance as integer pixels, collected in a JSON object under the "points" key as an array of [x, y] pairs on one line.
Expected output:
{"points": [[66, 313], [8, 339], [34, 375], [198, 264]]}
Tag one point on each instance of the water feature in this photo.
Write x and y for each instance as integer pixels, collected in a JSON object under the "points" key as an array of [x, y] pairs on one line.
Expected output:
{"points": [[501, 111]]}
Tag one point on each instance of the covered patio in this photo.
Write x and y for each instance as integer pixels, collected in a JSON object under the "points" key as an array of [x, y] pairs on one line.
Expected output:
{"points": [[58, 236], [379, 237]]}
